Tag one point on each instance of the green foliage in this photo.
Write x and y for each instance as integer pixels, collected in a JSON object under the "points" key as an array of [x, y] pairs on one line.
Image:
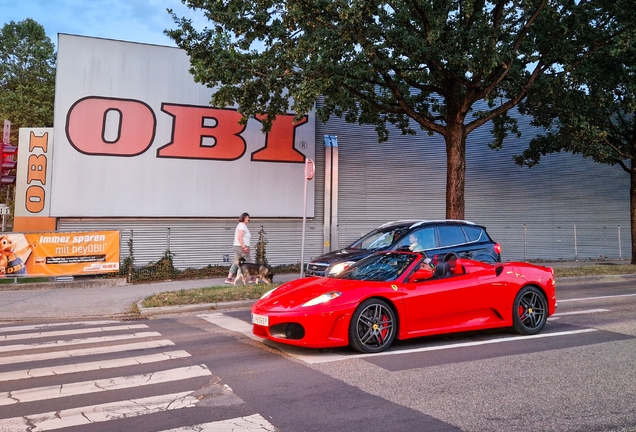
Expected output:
{"points": [[164, 268], [392, 63], [27, 79], [589, 111], [261, 253], [128, 265], [27, 76]]}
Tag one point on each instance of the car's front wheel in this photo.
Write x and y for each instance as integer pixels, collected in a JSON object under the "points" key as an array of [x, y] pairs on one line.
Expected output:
{"points": [[529, 311], [373, 326]]}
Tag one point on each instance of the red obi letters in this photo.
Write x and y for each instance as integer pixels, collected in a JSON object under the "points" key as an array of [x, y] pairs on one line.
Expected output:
{"points": [[198, 132], [192, 124], [85, 126]]}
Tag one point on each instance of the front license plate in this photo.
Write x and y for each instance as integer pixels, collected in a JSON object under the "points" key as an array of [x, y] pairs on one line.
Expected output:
{"points": [[260, 320]]}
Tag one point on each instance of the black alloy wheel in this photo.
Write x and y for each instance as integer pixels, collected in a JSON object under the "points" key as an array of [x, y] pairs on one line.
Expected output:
{"points": [[529, 311], [373, 326]]}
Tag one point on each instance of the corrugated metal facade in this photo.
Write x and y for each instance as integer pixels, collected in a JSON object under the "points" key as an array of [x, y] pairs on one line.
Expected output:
{"points": [[532, 213]]}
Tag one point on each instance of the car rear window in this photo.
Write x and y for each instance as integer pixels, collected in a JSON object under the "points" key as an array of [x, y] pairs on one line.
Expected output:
{"points": [[475, 234], [451, 235]]}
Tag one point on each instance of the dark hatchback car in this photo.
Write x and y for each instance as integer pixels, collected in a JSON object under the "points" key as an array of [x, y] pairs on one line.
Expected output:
{"points": [[436, 237]]}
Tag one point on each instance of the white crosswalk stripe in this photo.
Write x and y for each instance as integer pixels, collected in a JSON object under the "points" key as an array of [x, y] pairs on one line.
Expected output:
{"points": [[52, 325], [90, 366], [49, 334], [98, 413], [86, 351], [251, 423], [61, 343], [26, 371]]}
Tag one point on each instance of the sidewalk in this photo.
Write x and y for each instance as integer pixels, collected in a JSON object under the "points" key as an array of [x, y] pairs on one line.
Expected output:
{"points": [[87, 299], [83, 299]]}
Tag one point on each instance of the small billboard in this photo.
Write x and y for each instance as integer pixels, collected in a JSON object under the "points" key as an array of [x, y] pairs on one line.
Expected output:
{"points": [[59, 253]]}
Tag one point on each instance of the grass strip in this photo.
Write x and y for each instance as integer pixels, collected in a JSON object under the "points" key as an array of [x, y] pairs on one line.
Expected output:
{"points": [[595, 270], [213, 294]]}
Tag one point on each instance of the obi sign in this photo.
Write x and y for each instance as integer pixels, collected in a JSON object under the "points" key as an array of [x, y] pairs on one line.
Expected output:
{"points": [[134, 136]]}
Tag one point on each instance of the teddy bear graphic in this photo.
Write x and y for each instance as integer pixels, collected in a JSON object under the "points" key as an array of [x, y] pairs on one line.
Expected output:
{"points": [[11, 261]]}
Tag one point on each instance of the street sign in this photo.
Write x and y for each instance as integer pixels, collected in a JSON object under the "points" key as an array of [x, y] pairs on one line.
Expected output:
{"points": [[309, 169], [4, 209]]}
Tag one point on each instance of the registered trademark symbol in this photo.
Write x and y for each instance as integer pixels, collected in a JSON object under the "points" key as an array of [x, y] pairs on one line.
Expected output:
{"points": [[303, 144]]}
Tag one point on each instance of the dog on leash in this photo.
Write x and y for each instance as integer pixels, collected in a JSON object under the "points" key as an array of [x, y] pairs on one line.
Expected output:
{"points": [[247, 271]]}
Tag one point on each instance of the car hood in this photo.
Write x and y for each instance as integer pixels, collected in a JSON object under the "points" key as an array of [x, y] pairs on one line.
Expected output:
{"points": [[294, 294], [343, 255]]}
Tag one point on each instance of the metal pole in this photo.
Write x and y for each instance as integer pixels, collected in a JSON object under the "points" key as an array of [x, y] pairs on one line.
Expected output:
{"points": [[576, 249], [525, 244], [620, 249], [132, 263], [302, 253], [309, 174]]}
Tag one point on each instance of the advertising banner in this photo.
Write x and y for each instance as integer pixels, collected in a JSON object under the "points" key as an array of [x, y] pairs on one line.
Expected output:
{"points": [[59, 253]]}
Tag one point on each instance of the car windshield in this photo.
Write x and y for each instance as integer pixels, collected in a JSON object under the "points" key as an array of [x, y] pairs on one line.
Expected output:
{"points": [[378, 239], [381, 267]]}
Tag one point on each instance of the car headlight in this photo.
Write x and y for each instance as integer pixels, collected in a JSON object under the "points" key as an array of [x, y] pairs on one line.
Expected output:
{"points": [[268, 293], [339, 267], [323, 298]]}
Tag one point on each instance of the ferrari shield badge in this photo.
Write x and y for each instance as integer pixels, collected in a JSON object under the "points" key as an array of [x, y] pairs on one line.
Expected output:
{"points": [[395, 288]]}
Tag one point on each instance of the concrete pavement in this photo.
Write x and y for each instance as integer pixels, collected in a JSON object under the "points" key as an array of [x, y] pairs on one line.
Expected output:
{"points": [[82, 300], [87, 299]]}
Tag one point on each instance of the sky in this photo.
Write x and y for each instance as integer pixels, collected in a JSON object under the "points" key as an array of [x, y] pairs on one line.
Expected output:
{"points": [[128, 20]]}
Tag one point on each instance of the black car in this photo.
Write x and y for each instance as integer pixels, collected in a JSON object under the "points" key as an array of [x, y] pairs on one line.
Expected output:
{"points": [[436, 237]]}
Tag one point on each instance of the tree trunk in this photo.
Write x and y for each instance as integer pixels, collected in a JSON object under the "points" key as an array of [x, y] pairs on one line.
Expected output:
{"points": [[455, 171], [632, 208]]}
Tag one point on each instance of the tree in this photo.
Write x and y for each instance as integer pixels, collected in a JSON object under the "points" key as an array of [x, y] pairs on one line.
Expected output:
{"points": [[590, 111], [27, 76], [392, 62]]}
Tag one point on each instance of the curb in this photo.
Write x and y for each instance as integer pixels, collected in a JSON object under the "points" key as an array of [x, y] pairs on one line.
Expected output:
{"points": [[166, 310], [572, 279]]}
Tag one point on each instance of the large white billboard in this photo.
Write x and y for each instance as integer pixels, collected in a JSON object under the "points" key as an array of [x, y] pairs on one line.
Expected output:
{"points": [[135, 136]]}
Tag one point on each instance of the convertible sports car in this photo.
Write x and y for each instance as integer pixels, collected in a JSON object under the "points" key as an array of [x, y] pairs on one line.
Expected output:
{"points": [[392, 295]]}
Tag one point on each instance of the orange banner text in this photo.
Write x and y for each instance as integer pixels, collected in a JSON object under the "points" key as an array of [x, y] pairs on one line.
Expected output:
{"points": [[59, 253]]}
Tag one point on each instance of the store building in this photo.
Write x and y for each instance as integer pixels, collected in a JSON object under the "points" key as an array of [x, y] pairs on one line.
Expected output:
{"points": [[136, 147]]}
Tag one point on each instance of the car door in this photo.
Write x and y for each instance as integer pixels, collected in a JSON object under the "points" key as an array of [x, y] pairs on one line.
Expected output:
{"points": [[436, 304]]}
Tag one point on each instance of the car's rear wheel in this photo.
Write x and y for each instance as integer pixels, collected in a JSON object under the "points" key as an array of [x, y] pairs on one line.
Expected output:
{"points": [[373, 326], [529, 311]]}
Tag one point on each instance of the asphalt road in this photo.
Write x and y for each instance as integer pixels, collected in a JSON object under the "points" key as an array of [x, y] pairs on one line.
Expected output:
{"points": [[577, 375]]}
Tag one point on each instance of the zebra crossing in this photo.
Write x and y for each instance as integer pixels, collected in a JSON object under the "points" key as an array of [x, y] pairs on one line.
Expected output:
{"points": [[88, 375]]}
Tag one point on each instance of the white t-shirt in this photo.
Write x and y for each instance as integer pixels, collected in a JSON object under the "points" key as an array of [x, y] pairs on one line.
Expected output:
{"points": [[246, 237]]}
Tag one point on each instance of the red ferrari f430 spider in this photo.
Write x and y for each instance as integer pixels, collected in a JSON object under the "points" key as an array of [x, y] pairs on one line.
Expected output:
{"points": [[399, 295]]}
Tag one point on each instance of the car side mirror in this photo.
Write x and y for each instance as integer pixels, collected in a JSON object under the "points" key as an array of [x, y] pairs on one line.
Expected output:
{"points": [[498, 270], [421, 274]]}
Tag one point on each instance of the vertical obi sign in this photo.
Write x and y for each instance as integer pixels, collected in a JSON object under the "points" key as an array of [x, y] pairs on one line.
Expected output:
{"points": [[33, 181], [59, 253]]}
